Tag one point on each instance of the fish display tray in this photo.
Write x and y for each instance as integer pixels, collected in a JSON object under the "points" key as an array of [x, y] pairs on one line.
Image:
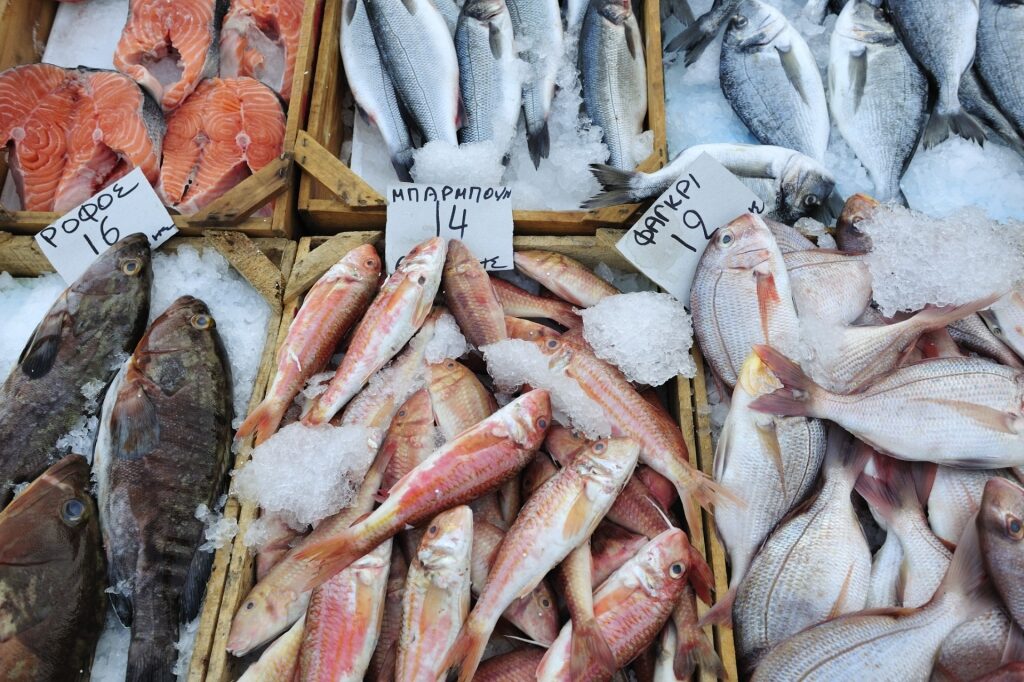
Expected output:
{"points": [[25, 26], [332, 198], [688, 403], [266, 264]]}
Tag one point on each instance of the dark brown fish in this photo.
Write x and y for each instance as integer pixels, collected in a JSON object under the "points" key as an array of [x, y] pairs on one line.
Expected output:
{"points": [[100, 316], [51, 577], [163, 449], [1000, 533]]}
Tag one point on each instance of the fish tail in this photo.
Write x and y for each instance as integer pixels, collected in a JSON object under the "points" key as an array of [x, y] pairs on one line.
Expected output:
{"points": [[263, 421], [151, 654], [465, 655], [938, 318], [330, 557], [616, 186], [942, 124], [681, 10], [589, 645], [796, 397], [703, 491], [721, 612], [693, 41], [695, 650], [966, 574], [539, 143], [893, 489], [402, 163]]}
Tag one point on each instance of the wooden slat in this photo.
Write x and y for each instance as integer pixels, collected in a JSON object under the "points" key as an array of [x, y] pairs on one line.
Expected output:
{"points": [[235, 205], [330, 172]]}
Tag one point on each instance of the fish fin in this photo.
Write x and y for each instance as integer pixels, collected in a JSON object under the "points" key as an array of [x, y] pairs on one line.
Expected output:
{"points": [[941, 125], [791, 65], [410, 5], [328, 557], [770, 440], [134, 425], [41, 350], [700, 576], [837, 606], [631, 41], [721, 460], [988, 417], [680, 9], [122, 605], [924, 478], [494, 38], [579, 515], [263, 421], [539, 143], [858, 74], [1014, 648], [941, 317], [966, 574], [465, 655], [150, 658], [721, 612], [694, 651], [767, 298], [894, 489], [194, 589], [350, 11], [616, 186], [796, 397], [588, 646], [693, 41], [703, 491]]}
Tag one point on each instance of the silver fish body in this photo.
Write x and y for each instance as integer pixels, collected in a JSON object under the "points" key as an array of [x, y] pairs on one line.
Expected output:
{"points": [[1000, 55], [831, 287], [954, 498], [885, 573], [978, 100], [973, 649], [538, 24], [974, 334]]}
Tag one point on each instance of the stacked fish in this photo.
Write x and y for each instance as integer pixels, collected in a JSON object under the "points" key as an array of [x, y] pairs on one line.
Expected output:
{"points": [[72, 132], [163, 449], [461, 71]]}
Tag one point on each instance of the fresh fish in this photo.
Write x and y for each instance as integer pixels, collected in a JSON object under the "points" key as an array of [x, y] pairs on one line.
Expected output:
{"points": [[401, 307], [382, 664], [815, 566], [259, 39], [417, 51], [1005, 318], [518, 303], [1000, 530], [954, 498], [371, 85], [51, 573], [555, 520], [699, 34], [410, 440], [163, 449], [885, 574], [436, 598], [169, 47], [973, 649], [55, 384], [344, 620], [328, 312], [575, 578], [1000, 56], [472, 300], [857, 209], [895, 644], [566, 278], [941, 37], [538, 25], [225, 131], [974, 334], [515, 666], [614, 76], [280, 660], [792, 184], [489, 74], [979, 101], [877, 95], [770, 78], [829, 287], [741, 277], [955, 411]]}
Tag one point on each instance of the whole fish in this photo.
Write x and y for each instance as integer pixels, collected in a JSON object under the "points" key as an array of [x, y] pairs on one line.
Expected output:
{"points": [[973, 649], [770, 78], [829, 287], [163, 449], [470, 297], [816, 565], [401, 307], [978, 100], [70, 357], [1005, 318], [941, 36], [1000, 56], [418, 54], [1000, 530], [877, 95], [51, 572], [614, 75], [489, 74], [537, 24], [280, 660], [410, 439], [792, 184], [885, 573], [563, 276], [699, 34], [436, 597], [371, 86], [895, 644], [344, 620], [741, 277], [328, 312], [555, 520], [516, 302], [955, 411], [382, 664], [515, 666]]}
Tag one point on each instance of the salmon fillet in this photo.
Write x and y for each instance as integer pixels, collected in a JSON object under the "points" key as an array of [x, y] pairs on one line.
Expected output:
{"points": [[169, 46], [259, 39], [226, 130]]}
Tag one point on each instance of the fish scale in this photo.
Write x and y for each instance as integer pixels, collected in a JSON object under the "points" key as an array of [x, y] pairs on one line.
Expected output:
{"points": [[1000, 57]]}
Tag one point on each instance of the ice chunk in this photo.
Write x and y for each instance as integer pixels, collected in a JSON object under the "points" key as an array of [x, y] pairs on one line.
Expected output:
{"points": [[626, 282], [110, 662], [647, 335], [513, 362], [185, 644], [447, 341], [476, 163], [307, 472], [916, 260], [219, 531], [23, 303], [259, 532]]}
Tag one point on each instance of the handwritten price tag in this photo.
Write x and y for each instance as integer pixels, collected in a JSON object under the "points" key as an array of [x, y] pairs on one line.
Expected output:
{"points": [[479, 216], [667, 241], [127, 206]]}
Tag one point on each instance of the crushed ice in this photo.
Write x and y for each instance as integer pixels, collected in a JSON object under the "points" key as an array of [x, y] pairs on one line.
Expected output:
{"points": [[219, 530], [447, 341], [23, 303]]}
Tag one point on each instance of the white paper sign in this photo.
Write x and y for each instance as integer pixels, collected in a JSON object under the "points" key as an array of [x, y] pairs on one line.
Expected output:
{"points": [[481, 217], [127, 206], [667, 241]]}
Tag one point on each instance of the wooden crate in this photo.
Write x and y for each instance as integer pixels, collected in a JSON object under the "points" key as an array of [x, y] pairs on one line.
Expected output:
{"points": [[24, 28], [688, 402], [266, 264], [332, 198]]}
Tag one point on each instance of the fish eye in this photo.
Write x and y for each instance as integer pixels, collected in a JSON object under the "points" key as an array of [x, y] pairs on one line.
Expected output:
{"points": [[401, 413], [725, 239], [542, 423], [371, 262], [421, 280], [249, 606], [739, 21], [450, 365], [599, 447], [201, 321], [433, 529], [545, 602], [811, 200], [675, 570], [72, 511], [552, 343], [1015, 528], [131, 266]]}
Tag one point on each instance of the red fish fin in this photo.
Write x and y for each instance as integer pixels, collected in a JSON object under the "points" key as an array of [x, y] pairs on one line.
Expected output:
{"points": [[770, 440], [263, 421], [694, 650], [767, 298], [796, 397], [997, 420], [329, 557], [720, 613], [465, 655], [579, 515], [924, 478], [700, 576], [893, 489], [588, 648]]}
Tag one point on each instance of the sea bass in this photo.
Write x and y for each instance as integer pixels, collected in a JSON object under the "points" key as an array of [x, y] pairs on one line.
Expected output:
{"points": [[163, 449], [537, 24], [1000, 56], [259, 39]]}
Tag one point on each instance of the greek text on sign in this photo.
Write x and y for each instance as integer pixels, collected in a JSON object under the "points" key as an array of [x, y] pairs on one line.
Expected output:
{"points": [[668, 240], [481, 217], [127, 206]]}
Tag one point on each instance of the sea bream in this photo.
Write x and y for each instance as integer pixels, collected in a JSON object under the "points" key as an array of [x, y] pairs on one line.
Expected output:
{"points": [[260, 39], [537, 25], [1000, 532], [163, 449], [1000, 55]]}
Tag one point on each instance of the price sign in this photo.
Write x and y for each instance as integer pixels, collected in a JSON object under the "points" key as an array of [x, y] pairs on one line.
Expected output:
{"points": [[481, 217], [127, 206], [668, 240]]}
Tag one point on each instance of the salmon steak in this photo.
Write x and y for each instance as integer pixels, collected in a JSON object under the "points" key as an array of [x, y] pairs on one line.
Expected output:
{"points": [[71, 132], [259, 39], [169, 46], [228, 129]]}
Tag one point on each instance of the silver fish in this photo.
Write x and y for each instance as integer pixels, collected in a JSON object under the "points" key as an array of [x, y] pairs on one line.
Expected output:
{"points": [[831, 287], [614, 76], [954, 498], [877, 95], [978, 100], [371, 85], [885, 573], [1000, 55], [973, 649], [941, 36], [538, 24], [489, 73], [417, 51], [450, 10]]}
